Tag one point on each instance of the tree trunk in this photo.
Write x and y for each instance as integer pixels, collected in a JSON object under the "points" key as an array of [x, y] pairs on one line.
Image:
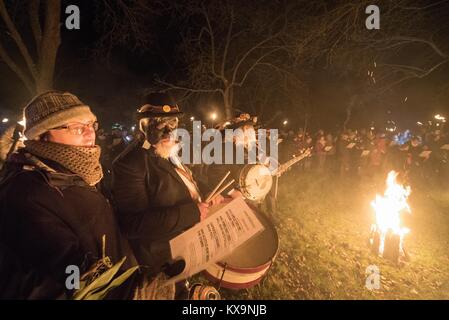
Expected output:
{"points": [[349, 109], [227, 100], [51, 39]]}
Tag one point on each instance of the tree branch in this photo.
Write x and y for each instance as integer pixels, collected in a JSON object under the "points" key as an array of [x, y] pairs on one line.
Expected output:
{"points": [[429, 43], [33, 11], [212, 40], [247, 53], [18, 39], [240, 83], [51, 40], [413, 75], [15, 68], [423, 8], [176, 87], [228, 41]]}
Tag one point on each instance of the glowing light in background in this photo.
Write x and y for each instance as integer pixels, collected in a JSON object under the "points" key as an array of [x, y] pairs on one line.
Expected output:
{"points": [[440, 118]]}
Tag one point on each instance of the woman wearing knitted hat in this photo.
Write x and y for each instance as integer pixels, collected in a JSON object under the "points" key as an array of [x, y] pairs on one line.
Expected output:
{"points": [[51, 213]]}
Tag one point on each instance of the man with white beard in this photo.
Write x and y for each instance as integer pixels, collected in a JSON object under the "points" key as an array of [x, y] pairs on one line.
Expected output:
{"points": [[156, 198]]}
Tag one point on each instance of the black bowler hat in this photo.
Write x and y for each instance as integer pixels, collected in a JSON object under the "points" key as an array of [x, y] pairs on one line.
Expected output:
{"points": [[241, 120], [158, 104]]}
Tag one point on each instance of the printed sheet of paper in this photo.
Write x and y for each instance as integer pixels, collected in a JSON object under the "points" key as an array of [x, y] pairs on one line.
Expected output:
{"points": [[365, 153], [425, 154], [351, 145], [215, 237]]}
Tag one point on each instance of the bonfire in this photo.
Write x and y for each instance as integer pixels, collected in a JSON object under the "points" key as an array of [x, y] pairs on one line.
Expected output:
{"points": [[388, 231]]}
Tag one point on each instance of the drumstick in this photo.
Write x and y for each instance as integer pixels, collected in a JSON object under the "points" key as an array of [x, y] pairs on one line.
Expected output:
{"points": [[221, 190], [218, 186]]}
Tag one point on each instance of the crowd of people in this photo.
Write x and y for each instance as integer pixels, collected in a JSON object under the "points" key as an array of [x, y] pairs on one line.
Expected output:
{"points": [[423, 153], [368, 152]]}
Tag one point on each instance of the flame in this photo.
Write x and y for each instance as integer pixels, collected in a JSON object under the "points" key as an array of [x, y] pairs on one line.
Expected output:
{"points": [[388, 209]]}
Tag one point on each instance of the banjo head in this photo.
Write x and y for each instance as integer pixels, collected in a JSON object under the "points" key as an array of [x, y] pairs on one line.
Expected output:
{"points": [[255, 181]]}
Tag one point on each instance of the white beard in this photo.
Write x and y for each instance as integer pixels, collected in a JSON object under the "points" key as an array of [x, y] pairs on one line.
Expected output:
{"points": [[165, 150]]}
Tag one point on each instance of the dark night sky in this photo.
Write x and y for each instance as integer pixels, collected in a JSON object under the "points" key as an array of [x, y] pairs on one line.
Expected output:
{"points": [[115, 90]]}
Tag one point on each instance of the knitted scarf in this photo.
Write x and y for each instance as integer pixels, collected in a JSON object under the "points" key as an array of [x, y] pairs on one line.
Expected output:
{"points": [[82, 161]]}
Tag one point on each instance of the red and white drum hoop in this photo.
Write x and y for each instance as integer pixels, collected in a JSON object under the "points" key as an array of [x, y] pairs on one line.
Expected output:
{"points": [[247, 265]]}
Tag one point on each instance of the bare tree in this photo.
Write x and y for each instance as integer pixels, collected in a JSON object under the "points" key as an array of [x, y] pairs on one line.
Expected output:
{"points": [[37, 75], [409, 45], [224, 42], [32, 57], [125, 23]]}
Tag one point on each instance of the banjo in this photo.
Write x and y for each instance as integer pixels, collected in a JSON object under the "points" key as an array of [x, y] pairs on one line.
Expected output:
{"points": [[256, 179]]}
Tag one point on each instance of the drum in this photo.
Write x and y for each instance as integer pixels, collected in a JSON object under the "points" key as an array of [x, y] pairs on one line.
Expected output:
{"points": [[246, 265], [255, 182]]}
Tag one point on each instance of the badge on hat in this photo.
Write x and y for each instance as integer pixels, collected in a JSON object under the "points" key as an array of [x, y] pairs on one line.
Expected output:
{"points": [[166, 108]]}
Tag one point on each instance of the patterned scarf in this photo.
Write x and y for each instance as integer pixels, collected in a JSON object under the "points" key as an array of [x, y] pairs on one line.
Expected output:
{"points": [[82, 161]]}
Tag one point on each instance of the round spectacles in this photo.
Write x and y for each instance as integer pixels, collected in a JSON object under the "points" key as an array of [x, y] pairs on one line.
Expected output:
{"points": [[78, 128]]}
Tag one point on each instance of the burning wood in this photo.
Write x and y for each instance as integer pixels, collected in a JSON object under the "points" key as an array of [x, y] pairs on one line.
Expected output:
{"points": [[387, 234]]}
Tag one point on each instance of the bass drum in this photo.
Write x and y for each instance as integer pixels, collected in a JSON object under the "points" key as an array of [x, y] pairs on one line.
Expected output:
{"points": [[246, 266], [255, 182]]}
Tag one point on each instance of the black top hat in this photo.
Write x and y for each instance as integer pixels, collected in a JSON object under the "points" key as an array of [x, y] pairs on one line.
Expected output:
{"points": [[158, 104]]}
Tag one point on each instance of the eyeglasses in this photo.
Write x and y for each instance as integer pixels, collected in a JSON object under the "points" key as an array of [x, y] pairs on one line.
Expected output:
{"points": [[78, 128]]}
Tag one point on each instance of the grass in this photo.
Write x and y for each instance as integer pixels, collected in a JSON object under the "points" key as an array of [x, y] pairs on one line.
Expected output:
{"points": [[323, 225]]}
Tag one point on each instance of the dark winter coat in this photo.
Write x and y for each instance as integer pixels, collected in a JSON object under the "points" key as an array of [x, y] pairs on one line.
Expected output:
{"points": [[51, 221], [153, 203]]}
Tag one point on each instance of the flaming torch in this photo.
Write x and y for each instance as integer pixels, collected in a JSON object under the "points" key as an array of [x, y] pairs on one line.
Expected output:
{"points": [[387, 233]]}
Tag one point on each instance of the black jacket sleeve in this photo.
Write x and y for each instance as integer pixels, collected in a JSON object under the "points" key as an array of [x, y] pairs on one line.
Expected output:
{"points": [[46, 240], [18, 283], [132, 200]]}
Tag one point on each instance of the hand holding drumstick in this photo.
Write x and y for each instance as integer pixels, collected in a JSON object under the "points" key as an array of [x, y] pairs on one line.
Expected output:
{"points": [[214, 197]]}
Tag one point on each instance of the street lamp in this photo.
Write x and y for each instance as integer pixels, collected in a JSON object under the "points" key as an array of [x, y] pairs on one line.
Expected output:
{"points": [[213, 116], [5, 120], [285, 122]]}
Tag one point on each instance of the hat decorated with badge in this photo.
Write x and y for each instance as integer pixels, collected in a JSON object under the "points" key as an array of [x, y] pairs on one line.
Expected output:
{"points": [[239, 121], [158, 104]]}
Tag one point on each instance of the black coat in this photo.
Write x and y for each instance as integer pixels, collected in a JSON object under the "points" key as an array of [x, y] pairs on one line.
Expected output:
{"points": [[17, 282], [152, 202], [51, 221]]}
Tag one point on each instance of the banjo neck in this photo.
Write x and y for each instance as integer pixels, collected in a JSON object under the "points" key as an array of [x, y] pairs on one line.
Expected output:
{"points": [[284, 167]]}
